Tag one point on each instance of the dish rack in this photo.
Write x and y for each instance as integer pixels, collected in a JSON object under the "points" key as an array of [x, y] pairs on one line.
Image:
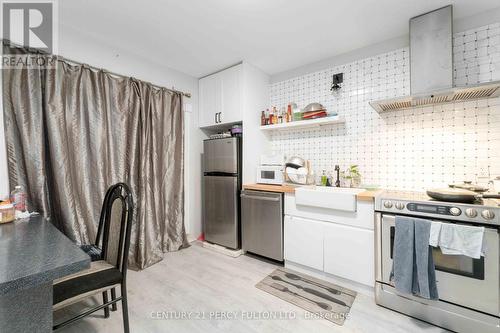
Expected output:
{"points": [[298, 179]]}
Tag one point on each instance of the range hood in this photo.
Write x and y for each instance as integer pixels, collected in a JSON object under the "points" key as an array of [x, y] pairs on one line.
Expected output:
{"points": [[431, 66]]}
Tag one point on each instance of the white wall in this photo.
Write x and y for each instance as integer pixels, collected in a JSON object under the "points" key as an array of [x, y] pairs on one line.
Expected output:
{"points": [[255, 99], [463, 24], [77, 46], [413, 149]]}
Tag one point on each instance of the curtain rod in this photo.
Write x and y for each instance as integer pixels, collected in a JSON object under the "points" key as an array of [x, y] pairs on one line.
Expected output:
{"points": [[59, 57]]}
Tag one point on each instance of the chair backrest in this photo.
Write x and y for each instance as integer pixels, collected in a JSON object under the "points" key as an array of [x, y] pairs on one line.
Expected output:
{"points": [[115, 225], [100, 227]]}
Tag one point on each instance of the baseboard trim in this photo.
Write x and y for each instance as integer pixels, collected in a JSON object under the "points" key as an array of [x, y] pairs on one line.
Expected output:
{"points": [[223, 250]]}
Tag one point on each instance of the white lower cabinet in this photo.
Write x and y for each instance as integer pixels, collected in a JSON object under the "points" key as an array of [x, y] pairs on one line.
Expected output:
{"points": [[304, 241], [349, 253], [335, 242]]}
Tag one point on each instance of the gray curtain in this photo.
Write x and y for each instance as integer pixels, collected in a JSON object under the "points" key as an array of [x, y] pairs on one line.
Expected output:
{"points": [[72, 131]]}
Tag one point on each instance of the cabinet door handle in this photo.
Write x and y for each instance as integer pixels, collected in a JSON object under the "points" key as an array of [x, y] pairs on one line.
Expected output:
{"points": [[219, 117], [215, 116]]}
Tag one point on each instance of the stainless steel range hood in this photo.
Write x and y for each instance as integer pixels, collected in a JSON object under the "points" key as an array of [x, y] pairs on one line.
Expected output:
{"points": [[431, 66]]}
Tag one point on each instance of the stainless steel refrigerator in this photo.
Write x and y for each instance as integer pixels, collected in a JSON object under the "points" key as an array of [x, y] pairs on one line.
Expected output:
{"points": [[221, 190]]}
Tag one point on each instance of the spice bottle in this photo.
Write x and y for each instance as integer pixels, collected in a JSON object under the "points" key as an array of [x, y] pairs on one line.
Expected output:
{"points": [[275, 115], [289, 113]]}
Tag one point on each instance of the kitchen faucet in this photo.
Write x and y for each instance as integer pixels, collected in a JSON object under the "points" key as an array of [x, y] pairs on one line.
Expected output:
{"points": [[337, 182]]}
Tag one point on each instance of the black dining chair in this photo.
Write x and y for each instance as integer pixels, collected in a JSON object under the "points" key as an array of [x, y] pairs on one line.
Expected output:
{"points": [[95, 250], [111, 270]]}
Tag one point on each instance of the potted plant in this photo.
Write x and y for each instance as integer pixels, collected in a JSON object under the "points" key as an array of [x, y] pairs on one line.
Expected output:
{"points": [[352, 176]]}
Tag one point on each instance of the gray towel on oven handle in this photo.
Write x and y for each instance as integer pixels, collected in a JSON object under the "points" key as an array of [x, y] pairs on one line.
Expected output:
{"points": [[426, 272], [403, 255], [435, 233], [413, 270]]}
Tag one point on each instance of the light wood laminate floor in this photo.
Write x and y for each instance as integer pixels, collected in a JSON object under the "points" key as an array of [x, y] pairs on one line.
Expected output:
{"points": [[197, 281]]}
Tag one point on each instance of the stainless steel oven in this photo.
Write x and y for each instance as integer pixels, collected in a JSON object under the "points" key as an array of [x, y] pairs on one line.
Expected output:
{"points": [[461, 280], [469, 289]]}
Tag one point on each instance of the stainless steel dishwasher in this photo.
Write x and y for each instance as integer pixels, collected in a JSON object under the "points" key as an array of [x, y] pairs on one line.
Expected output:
{"points": [[262, 223]]}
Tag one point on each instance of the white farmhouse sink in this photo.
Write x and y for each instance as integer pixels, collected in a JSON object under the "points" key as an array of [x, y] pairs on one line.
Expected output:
{"points": [[339, 198]]}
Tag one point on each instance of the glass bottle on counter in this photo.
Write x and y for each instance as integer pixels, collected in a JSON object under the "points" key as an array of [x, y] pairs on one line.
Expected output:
{"points": [[263, 118], [18, 198], [324, 178]]}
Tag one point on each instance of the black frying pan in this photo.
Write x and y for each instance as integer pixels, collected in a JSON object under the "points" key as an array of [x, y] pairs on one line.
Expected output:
{"points": [[458, 195]]}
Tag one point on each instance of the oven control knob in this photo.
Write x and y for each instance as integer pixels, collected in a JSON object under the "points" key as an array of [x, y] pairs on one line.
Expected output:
{"points": [[388, 204], [487, 214], [471, 212], [455, 211], [399, 205]]}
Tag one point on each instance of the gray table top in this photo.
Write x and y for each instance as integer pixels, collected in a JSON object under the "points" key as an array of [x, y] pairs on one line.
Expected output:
{"points": [[33, 251]]}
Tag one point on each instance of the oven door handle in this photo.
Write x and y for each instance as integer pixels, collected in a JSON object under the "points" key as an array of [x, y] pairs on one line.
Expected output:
{"points": [[391, 220]]}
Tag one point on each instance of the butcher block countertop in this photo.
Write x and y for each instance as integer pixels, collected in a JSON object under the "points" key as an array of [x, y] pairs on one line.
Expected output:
{"points": [[270, 188], [363, 196], [368, 195]]}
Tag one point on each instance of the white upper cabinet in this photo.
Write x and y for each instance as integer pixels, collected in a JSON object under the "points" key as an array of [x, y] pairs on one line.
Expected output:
{"points": [[221, 97], [210, 100], [231, 95]]}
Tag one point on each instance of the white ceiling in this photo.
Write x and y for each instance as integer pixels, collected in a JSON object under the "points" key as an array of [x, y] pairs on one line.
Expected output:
{"points": [[199, 37]]}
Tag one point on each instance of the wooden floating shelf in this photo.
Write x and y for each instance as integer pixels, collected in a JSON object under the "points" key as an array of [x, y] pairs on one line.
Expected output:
{"points": [[305, 123]]}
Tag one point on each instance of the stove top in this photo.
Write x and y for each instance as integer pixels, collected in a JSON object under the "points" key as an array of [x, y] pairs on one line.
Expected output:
{"points": [[486, 211], [423, 197]]}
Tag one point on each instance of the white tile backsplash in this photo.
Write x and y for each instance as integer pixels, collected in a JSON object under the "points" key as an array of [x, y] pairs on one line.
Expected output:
{"points": [[412, 149]]}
